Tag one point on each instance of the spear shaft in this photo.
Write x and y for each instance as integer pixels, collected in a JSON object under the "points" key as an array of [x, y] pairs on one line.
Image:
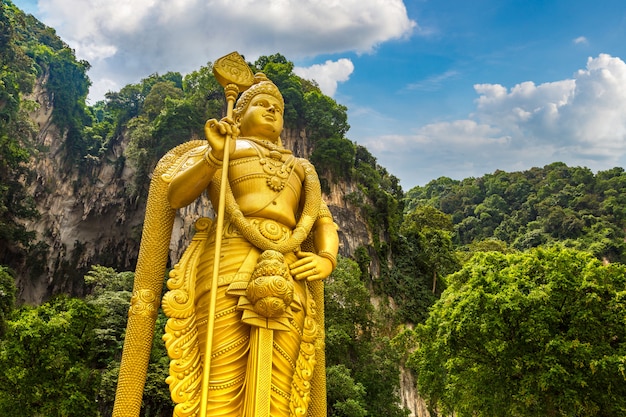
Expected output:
{"points": [[230, 71]]}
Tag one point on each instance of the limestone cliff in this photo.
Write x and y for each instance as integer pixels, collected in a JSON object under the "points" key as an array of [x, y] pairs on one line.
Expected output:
{"points": [[85, 219]]}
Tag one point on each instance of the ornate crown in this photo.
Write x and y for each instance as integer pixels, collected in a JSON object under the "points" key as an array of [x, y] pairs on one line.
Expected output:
{"points": [[262, 85]]}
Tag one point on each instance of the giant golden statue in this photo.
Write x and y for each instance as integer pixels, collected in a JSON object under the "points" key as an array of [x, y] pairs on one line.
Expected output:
{"points": [[245, 302]]}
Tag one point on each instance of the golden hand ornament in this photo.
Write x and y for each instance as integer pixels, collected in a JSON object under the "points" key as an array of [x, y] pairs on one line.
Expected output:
{"points": [[310, 266]]}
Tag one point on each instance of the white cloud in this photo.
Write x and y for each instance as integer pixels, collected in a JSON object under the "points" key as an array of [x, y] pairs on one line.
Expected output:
{"points": [[328, 74], [581, 40], [459, 134], [434, 82], [584, 116], [579, 121], [127, 40]]}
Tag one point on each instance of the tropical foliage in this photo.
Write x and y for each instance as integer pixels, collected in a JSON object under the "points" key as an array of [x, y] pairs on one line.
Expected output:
{"points": [[539, 333], [16, 133], [535, 207], [362, 366], [62, 358]]}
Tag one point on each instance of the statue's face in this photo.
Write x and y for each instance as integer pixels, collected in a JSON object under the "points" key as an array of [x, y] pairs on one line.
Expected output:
{"points": [[263, 118]]}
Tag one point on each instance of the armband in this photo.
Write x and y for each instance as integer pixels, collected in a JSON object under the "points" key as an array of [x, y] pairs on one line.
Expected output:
{"points": [[211, 160], [332, 258]]}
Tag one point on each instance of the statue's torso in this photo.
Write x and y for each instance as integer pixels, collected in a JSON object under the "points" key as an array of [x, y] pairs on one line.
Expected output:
{"points": [[266, 184]]}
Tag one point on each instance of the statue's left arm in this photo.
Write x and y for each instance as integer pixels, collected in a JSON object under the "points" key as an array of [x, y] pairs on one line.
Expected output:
{"points": [[319, 263]]}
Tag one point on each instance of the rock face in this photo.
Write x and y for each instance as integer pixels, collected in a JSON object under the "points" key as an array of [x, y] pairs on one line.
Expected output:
{"points": [[88, 218], [409, 396], [85, 219]]}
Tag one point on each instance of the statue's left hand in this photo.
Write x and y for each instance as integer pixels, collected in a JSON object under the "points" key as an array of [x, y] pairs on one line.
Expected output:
{"points": [[310, 266]]}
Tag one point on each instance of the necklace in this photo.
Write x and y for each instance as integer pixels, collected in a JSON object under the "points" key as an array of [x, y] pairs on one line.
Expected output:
{"points": [[310, 211], [268, 145], [277, 170]]}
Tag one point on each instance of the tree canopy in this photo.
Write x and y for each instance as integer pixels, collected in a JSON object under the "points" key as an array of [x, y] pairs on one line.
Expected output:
{"points": [[17, 77], [535, 207], [62, 358], [538, 333], [362, 365]]}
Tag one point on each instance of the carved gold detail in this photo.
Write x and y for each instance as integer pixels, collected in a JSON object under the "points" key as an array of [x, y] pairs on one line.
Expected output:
{"points": [[270, 291], [332, 258], [144, 303], [301, 385], [230, 69], [181, 334]]}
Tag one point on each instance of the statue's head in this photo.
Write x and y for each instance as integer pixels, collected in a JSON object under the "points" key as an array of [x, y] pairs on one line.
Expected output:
{"points": [[259, 110]]}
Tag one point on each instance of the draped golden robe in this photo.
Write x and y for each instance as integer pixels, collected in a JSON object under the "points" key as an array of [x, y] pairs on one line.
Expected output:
{"points": [[297, 380]]}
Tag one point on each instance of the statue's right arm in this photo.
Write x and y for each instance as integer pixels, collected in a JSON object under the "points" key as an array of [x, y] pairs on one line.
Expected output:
{"points": [[190, 182]]}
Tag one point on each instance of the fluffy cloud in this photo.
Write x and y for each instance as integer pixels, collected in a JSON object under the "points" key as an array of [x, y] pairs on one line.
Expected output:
{"points": [[579, 121], [126, 40], [328, 74], [585, 117]]}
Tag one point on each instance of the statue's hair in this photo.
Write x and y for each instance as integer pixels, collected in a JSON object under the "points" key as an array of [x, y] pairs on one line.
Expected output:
{"points": [[262, 85]]}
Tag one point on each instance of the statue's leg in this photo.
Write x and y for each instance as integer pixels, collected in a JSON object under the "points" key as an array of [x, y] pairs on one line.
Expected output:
{"points": [[285, 356], [230, 346]]}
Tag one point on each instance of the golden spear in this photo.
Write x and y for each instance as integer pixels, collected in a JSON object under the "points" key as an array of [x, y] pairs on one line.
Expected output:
{"points": [[232, 72]]}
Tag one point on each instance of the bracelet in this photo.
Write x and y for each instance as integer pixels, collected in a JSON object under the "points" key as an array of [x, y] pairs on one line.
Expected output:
{"points": [[212, 160], [332, 258]]}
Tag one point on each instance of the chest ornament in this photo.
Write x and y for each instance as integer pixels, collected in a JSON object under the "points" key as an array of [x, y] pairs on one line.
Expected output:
{"points": [[277, 171]]}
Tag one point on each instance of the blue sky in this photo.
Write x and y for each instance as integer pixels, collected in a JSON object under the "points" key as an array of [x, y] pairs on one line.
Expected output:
{"points": [[433, 88]]}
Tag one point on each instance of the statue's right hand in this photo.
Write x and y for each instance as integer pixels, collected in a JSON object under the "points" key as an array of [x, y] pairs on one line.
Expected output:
{"points": [[216, 133]]}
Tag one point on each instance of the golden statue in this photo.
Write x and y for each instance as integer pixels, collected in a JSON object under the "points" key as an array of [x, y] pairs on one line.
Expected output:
{"points": [[245, 302]]}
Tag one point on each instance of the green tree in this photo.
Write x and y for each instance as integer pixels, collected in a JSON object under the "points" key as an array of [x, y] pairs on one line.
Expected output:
{"points": [[126, 103], [140, 152], [111, 293], [177, 122], [155, 100], [348, 313], [16, 133], [336, 155], [7, 298], [535, 207], [345, 397], [204, 92], [324, 117], [487, 245], [47, 360], [539, 333], [423, 254], [361, 363]]}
